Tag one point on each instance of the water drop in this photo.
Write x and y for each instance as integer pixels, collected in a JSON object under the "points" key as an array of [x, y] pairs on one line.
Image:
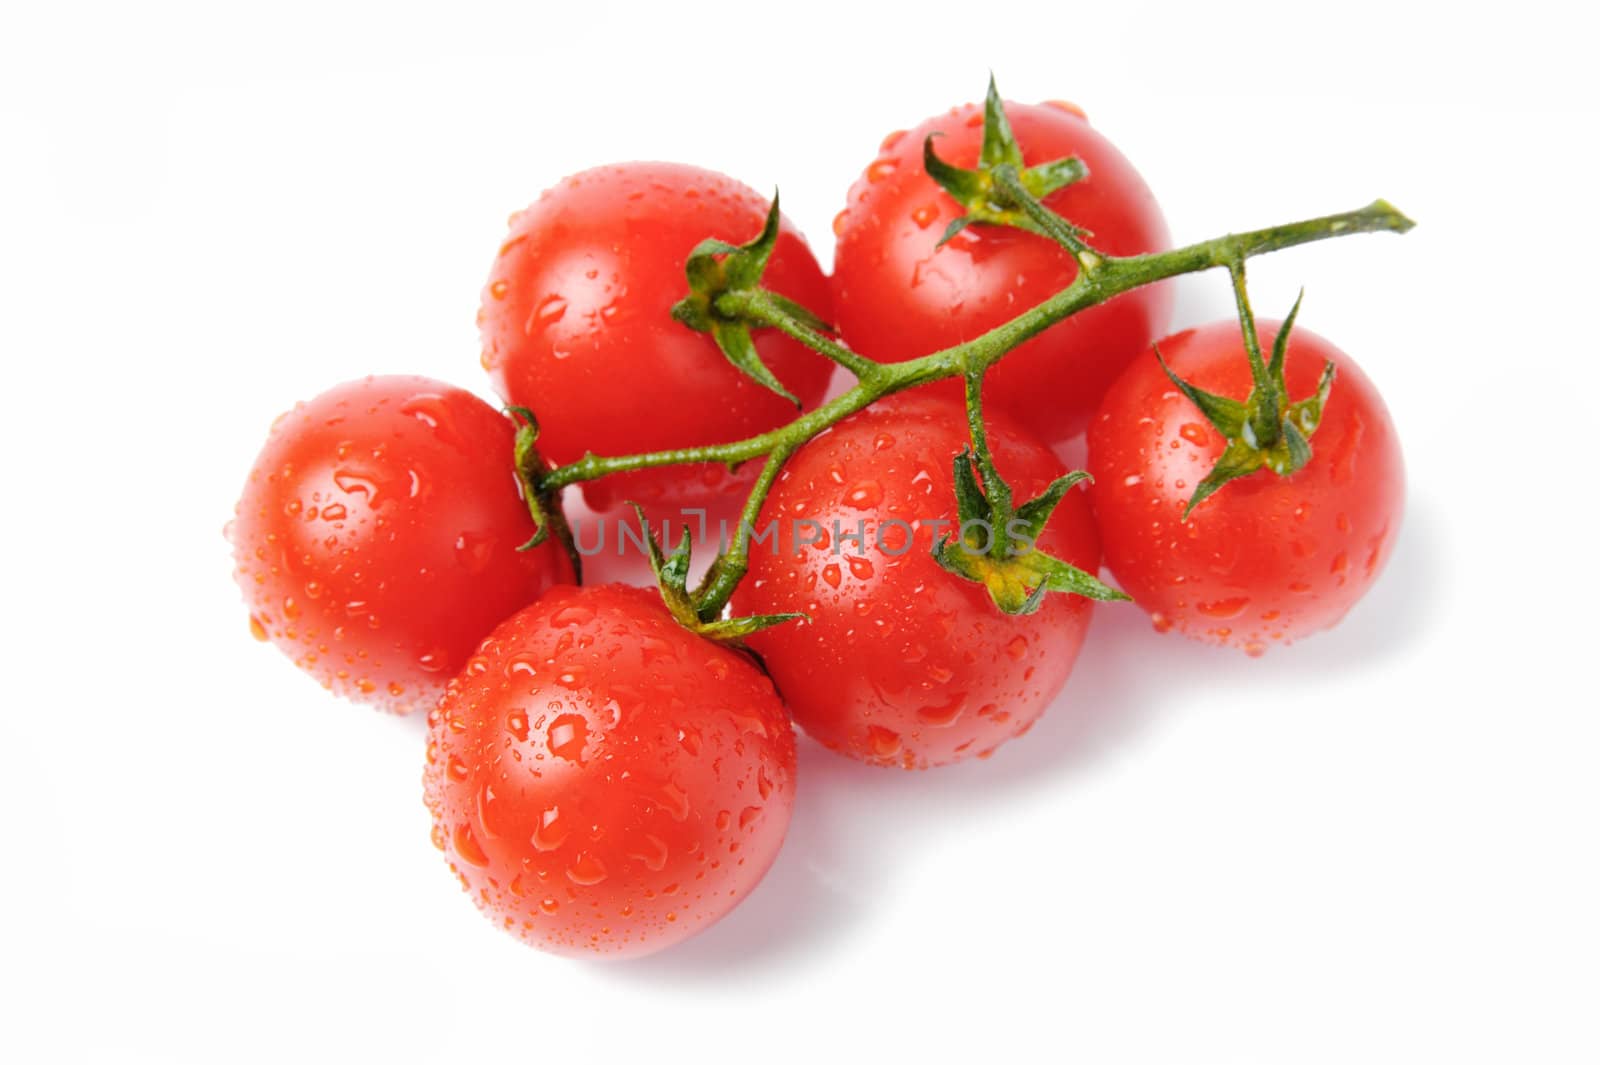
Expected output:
{"points": [[566, 737], [885, 743], [551, 832], [468, 847], [474, 551], [865, 494]]}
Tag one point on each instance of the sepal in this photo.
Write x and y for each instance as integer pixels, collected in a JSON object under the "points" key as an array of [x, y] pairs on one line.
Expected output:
{"points": [[672, 579]]}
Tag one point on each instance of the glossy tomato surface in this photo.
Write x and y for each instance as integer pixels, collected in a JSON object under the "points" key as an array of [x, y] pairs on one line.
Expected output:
{"points": [[898, 295], [605, 782], [1266, 559], [903, 663], [376, 538], [576, 325]]}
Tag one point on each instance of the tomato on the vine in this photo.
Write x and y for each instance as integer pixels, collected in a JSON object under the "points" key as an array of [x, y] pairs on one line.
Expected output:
{"points": [[376, 538], [1266, 558], [897, 294], [576, 324], [604, 781], [902, 662]]}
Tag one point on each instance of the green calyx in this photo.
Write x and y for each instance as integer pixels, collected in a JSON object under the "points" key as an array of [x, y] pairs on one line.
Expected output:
{"points": [[672, 578], [996, 543], [1266, 431], [999, 191], [720, 273], [544, 502]]}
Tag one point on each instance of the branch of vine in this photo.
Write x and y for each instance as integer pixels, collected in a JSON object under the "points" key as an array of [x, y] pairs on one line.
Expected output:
{"points": [[1100, 278]]}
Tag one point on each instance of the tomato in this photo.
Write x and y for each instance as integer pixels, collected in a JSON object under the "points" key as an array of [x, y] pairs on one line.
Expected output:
{"points": [[576, 326], [602, 780], [901, 662], [376, 538], [1266, 559], [897, 295]]}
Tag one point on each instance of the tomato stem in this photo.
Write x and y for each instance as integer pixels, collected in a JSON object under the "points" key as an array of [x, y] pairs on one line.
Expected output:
{"points": [[1100, 278], [1114, 276], [760, 307]]}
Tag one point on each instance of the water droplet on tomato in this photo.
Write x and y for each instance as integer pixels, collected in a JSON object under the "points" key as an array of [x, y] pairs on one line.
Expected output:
{"points": [[548, 312], [1231, 607], [860, 568], [517, 724], [864, 495], [474, 551], [675, 801], [925, 215], [885, 743], [651, 850], [573, 614], [830, 573], [945, 714], [498, 289], [257, 629], [566, 737], [551, 831], [880, 169], [1195, 433], [353, 481]]}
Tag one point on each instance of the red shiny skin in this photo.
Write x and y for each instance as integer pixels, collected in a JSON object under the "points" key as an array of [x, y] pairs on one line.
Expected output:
{"points": [[576, 326], [603, 781], [897, 296], [903, 663], [376, 538], [1266, 559]]}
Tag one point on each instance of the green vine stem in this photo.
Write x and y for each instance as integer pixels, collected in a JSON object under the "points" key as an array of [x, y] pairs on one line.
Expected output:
{"points": [[1101, 278]]}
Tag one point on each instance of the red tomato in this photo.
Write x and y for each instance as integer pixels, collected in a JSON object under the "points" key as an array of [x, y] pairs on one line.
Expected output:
{"points": [[903, 663], [1266, 559], [897, 296], [576, 326], [602, 780], [376, 539]]}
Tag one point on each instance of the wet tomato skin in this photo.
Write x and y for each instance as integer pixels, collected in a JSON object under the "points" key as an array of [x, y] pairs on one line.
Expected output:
{"points": [[375, 540], [1265, 560], [902, 663], [897, 295], [576, 325], [604, 782]]}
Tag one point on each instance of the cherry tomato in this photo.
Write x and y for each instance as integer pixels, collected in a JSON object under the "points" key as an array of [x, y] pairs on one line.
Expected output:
{"points": [[903, 663], [602, 780], [897, 295], [376, 539], [576, 326], [1266, 559]]}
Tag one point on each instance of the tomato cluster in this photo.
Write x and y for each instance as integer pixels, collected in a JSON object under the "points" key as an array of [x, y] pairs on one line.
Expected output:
{"points": [[610, 769]]}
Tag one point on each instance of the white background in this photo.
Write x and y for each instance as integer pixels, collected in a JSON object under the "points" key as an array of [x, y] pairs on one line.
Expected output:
{"points": [[1378, 845]]}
